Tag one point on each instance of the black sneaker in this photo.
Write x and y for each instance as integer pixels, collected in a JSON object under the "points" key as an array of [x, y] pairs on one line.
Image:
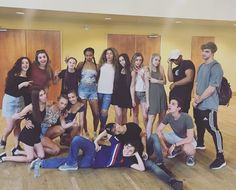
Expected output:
{"points": [[177, 151], [190, 161], [176, 185], [13, 152], [165, 169], [3, 144], [2, 155], [200, 147], [218, 163]]}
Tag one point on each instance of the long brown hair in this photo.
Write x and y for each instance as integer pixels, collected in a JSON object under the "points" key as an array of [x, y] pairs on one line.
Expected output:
{"points": [[35, 105], [48, 65], [127, 69], [16, 69], [103, 58]]}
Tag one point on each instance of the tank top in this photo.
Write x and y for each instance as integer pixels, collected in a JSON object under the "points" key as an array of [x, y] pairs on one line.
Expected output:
{"points": [[140, 81]]}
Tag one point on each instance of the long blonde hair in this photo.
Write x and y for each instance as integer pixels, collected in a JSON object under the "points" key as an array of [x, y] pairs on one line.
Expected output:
{"points": [[151, 61]]}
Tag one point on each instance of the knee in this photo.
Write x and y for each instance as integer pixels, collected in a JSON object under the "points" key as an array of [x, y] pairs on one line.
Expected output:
{"points": [[41, 155], [145, 116], [104, 113], [56, 151], [96, 115], [135, 113], [189, 149], [59, 131], [155, 137], [76, 139], [119, 114], [29, 159]]}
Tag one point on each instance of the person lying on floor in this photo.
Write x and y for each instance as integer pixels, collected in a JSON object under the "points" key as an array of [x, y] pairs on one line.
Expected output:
{"points": [[115, 155]]}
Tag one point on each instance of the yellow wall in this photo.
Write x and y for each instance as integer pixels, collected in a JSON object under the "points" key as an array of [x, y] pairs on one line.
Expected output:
{"points": [[75, 38]]}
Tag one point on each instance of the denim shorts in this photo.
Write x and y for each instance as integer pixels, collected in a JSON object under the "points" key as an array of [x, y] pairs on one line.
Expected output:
{"points": [[104, 101], [43, 131], [172, 138], [11, 105], [141, 96], [88, 92]]}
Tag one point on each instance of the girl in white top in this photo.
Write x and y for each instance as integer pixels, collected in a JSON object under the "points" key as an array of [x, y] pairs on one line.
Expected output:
{"points": [[138, 87], [106, 69]]}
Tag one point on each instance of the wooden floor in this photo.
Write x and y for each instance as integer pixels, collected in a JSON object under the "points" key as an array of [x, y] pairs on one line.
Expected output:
{"points": [[15, 176]]}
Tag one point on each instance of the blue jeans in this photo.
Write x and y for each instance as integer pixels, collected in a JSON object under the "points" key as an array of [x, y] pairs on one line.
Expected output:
{"points": [[104, 101], [154, 168], [154, 146], [83, 161]]}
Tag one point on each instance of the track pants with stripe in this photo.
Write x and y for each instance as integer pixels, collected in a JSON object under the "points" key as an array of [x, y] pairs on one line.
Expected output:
{"points": [[207, 119]]}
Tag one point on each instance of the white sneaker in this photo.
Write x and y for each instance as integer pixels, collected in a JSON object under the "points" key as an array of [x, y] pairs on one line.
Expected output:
{"points": [[66, 167], [34, 162]]}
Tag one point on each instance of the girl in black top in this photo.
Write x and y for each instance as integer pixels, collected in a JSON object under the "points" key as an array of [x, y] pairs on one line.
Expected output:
{"points": [[16, 97], [30, 135], [121, 97], [69, 76]]}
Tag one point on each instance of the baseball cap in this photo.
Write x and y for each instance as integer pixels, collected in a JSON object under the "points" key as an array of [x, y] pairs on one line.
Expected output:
{"points": [[174, 54]]}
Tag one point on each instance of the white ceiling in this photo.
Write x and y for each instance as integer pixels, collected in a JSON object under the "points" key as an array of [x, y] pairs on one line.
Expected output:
{"points": [[32, 14], [185, 9]]}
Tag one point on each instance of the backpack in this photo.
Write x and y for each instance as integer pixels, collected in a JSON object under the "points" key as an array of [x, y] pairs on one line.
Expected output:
{"points": [[224, 91]]}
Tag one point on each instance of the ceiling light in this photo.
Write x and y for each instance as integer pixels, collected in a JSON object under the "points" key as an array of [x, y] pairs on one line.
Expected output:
{"points": [[108, 18], [178, 21], [86, 27], [153, 35], [20, 13], [3, 29]]}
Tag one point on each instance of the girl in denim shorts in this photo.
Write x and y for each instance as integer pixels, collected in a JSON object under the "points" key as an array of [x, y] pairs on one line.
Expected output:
{"points": [[16, 90], [138, 88], [88, 87]]}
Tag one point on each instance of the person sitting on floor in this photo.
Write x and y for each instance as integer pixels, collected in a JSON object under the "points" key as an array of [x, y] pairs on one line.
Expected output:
{"points": [[181, 138]]}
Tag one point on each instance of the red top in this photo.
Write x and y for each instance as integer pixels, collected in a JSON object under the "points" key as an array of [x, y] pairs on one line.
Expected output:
{"points": [[39, 77]]}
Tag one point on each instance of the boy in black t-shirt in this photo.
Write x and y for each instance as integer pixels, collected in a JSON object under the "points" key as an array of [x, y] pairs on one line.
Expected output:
{"points": [[182, 78], [125, 133]]}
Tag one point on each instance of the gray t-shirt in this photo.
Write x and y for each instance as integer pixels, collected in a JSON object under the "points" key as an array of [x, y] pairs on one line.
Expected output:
{"points": [[209, 75], [180, 125]]}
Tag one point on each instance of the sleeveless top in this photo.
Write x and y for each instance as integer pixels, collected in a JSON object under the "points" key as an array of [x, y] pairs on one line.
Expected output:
{"points": [[71, 116], [50, 118], [140, 81], [88, 77]]}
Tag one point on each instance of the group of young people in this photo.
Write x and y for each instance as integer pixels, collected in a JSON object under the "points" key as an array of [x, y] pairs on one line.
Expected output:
{"points": [[125, 84]]}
